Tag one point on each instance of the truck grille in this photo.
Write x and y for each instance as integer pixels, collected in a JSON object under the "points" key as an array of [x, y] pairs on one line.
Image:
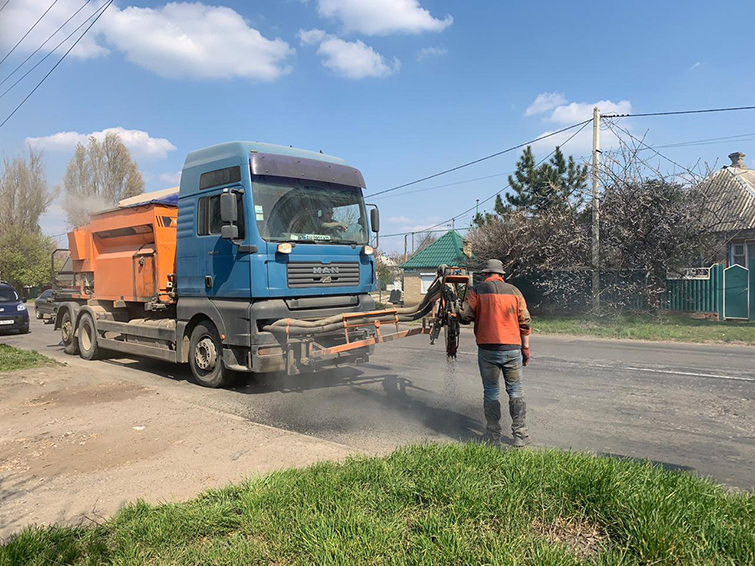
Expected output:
{"points": [[315, 274]]}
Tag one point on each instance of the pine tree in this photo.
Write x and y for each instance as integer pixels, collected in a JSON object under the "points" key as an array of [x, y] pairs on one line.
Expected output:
{"points": [[524, 183], [553, 184]]}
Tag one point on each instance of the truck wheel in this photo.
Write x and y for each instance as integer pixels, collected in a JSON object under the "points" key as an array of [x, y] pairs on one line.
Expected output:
{"points": [[206, 357], [87, 337], [70, 344]]}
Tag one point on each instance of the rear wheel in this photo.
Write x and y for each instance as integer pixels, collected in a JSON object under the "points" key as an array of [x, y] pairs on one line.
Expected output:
{"points": [[87, 338], [70, 344], [206, 357], [37, 314]]}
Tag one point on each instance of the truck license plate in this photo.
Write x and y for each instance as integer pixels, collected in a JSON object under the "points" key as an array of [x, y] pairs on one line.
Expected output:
{"points": [[6, 322]]}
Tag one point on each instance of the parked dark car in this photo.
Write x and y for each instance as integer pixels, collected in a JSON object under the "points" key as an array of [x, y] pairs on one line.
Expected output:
{"points": [[45, 306], [13, 313]]}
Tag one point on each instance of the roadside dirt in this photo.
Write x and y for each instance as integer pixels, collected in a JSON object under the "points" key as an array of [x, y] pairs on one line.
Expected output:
{"points": [[74, 448]]}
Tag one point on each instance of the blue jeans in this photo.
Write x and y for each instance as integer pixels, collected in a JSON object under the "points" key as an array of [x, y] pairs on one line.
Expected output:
{"points": [[492, 363]]}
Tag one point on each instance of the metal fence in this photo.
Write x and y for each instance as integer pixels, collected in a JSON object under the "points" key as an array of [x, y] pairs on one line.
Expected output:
{"points": [[696, 290]]}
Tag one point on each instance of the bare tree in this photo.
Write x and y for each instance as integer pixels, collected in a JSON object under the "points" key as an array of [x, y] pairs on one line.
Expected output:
{"points": [[651, 224], [98, 176], [24, 194]]}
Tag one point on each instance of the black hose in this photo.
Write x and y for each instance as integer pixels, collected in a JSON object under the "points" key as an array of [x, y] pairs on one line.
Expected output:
{"points": [[334, 323]]}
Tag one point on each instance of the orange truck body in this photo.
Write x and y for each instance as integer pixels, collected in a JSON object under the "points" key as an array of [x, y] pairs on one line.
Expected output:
{"points": [[126, 254]]}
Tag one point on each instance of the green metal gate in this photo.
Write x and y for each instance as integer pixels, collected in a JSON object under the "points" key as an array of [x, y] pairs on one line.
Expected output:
{"points": [[737, 292]]}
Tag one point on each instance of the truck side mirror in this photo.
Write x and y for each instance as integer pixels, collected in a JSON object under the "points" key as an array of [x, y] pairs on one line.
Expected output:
{"points": [[228, 210], [229, 231], [375, 219]]}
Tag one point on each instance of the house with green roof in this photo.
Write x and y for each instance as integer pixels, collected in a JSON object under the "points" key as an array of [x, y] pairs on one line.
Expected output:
{"points": [[419, 270]]}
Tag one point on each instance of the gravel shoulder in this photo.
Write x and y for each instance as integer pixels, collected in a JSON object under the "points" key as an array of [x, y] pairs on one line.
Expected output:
{"points": [[76, 446]]}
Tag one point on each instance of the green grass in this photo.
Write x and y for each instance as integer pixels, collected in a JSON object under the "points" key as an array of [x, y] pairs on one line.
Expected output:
{"points": [[440, 504], [672, 328], [12, 359]]}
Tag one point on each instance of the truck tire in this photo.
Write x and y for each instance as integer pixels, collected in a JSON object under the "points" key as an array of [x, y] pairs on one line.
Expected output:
{"points": [[70, 343], [206, 357], [87, 338]]}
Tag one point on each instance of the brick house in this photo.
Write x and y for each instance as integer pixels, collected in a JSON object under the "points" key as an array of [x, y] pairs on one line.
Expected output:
{"points": [[419, 270]]}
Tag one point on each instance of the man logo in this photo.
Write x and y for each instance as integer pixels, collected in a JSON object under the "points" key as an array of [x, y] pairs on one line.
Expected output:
{"points": [[325, 270]]}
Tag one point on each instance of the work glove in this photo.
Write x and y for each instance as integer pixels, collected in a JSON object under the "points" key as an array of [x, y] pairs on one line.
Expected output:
{"points": [[525, 356]]}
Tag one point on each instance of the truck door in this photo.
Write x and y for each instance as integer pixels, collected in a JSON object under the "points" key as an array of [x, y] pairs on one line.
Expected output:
{"points": [[226, 271]]}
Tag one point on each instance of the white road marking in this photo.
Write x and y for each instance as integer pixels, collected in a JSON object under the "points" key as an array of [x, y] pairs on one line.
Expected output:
{"points": [[672, 372]]}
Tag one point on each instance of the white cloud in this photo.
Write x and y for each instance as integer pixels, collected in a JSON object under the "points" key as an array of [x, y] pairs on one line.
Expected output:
{"points": [[18, 17], [566, 114], [544, 102], [197, 41], [171, 178], [349, 59], [426, 52], [398, 220], [382, 17], [578, 111], [695, 66], [176, 40], [140, 143]]}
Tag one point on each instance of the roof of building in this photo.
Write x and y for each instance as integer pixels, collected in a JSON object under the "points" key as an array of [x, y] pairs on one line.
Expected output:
{"points": [[448, 250], [731, 191]]}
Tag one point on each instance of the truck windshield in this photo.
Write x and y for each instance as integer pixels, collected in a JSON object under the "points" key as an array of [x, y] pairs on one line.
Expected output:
{"points": [[299, 210]]}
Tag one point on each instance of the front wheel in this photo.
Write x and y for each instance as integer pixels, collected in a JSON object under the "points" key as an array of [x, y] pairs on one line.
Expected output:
{"points": [[70, 344], [206, 357], [38, 314]]}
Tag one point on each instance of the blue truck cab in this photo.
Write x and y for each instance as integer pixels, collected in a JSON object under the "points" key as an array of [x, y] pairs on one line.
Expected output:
{"points": [[268, 232]]}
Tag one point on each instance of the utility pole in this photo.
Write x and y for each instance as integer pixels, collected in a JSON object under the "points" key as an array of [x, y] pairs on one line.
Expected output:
{"points": [[453, 224], [596, 210], [406, 236], [412, 242]]}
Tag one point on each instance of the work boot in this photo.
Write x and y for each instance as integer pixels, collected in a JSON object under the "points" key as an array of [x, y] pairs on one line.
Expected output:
{"points": [[493, 418], [518, 410]]}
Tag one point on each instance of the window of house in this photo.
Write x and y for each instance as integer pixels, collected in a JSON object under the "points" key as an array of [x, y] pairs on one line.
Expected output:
{"points": [[208, 215], [738, 255], [426, 279]]}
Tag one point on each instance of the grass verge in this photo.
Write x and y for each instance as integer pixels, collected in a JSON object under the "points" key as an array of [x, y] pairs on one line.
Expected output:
{"points": [[12, 359], [438, 504], [670, 328]]}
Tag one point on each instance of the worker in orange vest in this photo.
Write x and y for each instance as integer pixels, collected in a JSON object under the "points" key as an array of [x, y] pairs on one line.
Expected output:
{"points": [[502, 329]]}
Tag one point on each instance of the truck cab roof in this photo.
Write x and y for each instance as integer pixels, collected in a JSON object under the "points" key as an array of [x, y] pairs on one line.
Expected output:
{"points": [[242, 149]]}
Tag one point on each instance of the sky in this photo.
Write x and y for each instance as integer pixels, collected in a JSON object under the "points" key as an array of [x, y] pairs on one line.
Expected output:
{"points": [[401, 89]]}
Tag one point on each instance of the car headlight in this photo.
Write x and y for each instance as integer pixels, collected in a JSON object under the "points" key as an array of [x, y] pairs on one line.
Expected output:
{"points": [[22, 307]]}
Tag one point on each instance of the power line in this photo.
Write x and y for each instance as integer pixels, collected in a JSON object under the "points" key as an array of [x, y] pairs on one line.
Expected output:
{"points": [[56, 64], [4, 5], [45, 42], [418, 232], [651, 148], [28, 32], [583, 124], [678, 112], [496, 154], [43, 59], [447, 185], [709, 141]]}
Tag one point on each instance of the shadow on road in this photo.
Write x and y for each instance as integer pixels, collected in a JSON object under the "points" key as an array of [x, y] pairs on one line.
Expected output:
{"points": [[665, 465]]}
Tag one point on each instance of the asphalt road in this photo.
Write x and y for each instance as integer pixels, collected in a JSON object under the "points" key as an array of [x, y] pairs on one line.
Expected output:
{"points": [[688, 407]]}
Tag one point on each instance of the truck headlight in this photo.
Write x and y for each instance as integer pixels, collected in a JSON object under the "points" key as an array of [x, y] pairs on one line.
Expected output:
{"points": [[368, 250], [22, 307]]}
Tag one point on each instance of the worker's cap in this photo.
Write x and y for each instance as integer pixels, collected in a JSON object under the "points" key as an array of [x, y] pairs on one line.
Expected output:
{"points": [[493, 266]]}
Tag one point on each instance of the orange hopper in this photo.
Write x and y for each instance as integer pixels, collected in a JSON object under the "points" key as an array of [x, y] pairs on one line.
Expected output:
{"points": [[126, 254]]}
